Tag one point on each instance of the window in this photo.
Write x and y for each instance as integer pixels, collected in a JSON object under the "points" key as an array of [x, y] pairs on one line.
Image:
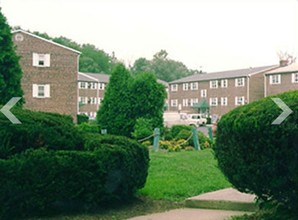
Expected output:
{"points": [[224, 101], [193, 101], [92, 100], [224, 83], [185, 86], [41, 91], [185, 102], [101, 86], [239, 82], [91, 85], [82, 100], [213, 84], [99, 100], [82, 85], [41, 60], [274, 79], [174, 102], [204, 93], [239, 100], [174, 87], [194, 86], [294, 77], [213, 101]]}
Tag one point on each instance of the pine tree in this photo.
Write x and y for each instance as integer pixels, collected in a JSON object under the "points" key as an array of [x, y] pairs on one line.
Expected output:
{"points": [[10, 70], [114, 113]]}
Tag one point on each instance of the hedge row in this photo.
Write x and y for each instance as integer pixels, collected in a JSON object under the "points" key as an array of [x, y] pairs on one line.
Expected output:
{"points": [[259, 157], [38, 129]]}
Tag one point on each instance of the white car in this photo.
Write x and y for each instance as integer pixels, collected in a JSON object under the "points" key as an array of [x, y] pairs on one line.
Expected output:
{"points": [[196, 120]]}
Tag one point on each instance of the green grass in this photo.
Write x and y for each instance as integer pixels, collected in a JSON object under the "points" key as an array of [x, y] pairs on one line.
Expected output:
{"points": [[179, 175]]}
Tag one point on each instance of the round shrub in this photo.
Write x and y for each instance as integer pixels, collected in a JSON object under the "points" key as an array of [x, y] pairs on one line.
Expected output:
{"points": [[259, 157], [38, 129], [41, 181]]}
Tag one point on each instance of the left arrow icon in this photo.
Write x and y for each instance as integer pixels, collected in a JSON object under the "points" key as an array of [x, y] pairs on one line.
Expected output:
{"points": [[6, 110]]}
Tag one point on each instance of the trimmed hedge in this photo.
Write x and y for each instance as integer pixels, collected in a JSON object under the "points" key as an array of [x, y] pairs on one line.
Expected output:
{"points": [[259, 157], [41, 181], [38, 129]]}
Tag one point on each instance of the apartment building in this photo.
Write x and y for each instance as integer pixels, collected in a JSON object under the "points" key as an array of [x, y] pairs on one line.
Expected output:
{"points": [[217, 93], [50, 73], [282, 79], [91, 88]]}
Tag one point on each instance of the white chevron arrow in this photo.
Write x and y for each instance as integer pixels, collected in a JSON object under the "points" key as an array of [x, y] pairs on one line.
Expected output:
{"points": [[6, 110], [286, 111]]}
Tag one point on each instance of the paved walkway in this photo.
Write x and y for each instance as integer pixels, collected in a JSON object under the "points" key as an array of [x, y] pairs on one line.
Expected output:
{"points": [[218, 205]]}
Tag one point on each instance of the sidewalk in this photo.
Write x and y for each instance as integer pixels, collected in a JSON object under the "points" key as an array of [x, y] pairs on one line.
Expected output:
{"points": [[217, 205]]}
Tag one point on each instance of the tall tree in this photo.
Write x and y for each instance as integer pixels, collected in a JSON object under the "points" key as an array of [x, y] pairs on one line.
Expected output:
{"points": [[115, 111], [10, 70]]}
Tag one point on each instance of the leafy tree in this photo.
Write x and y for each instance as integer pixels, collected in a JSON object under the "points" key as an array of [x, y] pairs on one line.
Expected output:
{"points": [[148, 99], [141, 65], [10, 70], [115, 111]]}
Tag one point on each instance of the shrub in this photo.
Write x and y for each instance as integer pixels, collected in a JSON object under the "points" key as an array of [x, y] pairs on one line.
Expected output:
{"points": [[143, 128], [38, 129], [259, 157], [82, 118], [176, 129], [88, 127], [165, 144], [204, 141], [174, 148], [41, 181]]}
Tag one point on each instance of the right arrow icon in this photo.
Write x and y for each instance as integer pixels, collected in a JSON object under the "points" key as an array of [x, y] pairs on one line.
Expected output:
{"points": [[286, 111]]}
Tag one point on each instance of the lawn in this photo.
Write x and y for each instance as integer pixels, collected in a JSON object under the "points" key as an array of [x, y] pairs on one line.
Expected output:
{"points": [[179, 175], [172, 178]]}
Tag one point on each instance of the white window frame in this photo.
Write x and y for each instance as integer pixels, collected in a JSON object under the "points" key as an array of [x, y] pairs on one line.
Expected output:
{"points": [[185, 102], [240, 82], [185, 86], [224, 101], [41, 60], [174, 102], [35, 90], [275, 79], [101, 86], [224, 83], [83, 85], [193, 101], [239, 100], [213, 101], [194, 86], [203, 93], [294, 77], [174, 87], [213, 84]]}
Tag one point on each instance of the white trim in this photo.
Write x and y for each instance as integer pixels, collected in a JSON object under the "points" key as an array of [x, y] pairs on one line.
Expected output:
{"points": [[293, 77], [247, 95], [90, 77], [278, 79], [49, 41]]}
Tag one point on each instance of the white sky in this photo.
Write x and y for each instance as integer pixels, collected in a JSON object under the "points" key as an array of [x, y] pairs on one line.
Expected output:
{"points": [[213, 34]]}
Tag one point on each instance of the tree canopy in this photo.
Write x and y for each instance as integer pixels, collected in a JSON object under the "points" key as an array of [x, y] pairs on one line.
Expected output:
{"points": [[162, 67], [10, 70]]}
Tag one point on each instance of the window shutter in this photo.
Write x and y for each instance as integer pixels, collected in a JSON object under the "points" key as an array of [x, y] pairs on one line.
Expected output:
{"points": [[47, 91], [47, 60], [35, 59], [34, 90]]}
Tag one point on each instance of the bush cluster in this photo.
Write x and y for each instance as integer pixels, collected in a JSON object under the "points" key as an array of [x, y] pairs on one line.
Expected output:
{"points": [[48, 177], [38, 129], [259, 157]]}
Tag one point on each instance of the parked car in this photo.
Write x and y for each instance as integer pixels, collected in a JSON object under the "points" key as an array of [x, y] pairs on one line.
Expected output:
{"points": [[172, 118]]}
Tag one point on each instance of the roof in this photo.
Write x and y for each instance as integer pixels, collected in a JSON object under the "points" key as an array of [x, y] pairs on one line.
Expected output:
{"points": [[166, 84], [224, 74], [49, 41], [284, 69], [94, 77]]}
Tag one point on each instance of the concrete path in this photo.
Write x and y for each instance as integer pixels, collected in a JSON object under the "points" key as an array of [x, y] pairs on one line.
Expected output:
{"points": [[190, 214], [217, 205]]}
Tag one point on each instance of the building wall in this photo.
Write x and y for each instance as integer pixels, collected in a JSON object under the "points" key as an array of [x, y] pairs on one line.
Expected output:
{"points": [[230, 92], [61, 75], [256, 87], [88, 107], [285, 85]]}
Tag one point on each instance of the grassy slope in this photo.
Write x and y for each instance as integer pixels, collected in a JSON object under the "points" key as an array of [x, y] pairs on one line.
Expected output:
{"points": [[176, 176]]}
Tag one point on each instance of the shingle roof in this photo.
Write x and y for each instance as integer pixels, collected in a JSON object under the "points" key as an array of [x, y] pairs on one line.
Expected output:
{"points": [[166, 84], [94, 77], [224, 74], [285, 69]]}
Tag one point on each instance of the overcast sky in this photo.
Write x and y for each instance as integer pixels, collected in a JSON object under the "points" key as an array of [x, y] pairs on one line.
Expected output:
{"points": [[214, 35]]}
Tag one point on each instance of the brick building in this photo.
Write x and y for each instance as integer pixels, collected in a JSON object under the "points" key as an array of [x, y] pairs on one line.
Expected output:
{"points": [[50, 73], [217, 93], [282, 79], [91, 92]]}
